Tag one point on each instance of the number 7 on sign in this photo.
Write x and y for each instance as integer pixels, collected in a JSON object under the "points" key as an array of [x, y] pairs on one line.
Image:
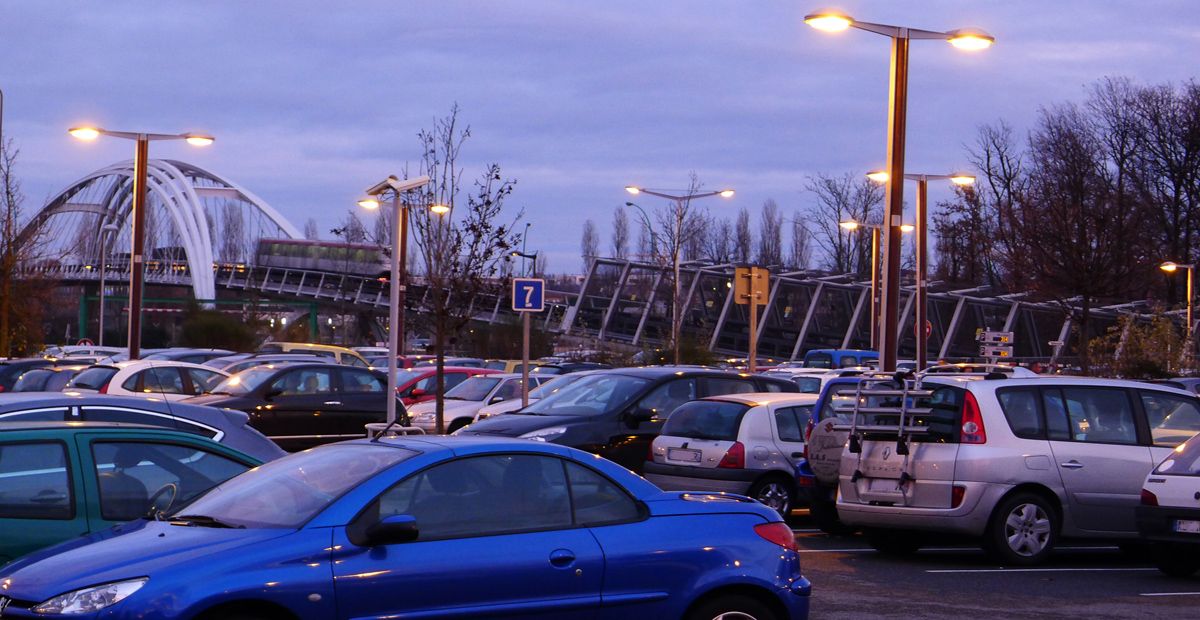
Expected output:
{"points": [[528, 294]]}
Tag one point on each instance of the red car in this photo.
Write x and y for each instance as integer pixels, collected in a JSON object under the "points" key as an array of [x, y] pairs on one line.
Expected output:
{"points": [[417, 385]]}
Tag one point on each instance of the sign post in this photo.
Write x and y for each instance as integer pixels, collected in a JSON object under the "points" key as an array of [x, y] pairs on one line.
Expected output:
{"points": [[750, 287], [528, 296]]}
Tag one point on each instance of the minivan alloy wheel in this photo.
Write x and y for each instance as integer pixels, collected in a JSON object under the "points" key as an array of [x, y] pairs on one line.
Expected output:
{"points": [[1023, 529], [1027, 529]]}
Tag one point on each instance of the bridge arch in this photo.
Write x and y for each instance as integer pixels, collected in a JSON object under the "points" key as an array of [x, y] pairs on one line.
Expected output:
{"points": [[194, 219]]}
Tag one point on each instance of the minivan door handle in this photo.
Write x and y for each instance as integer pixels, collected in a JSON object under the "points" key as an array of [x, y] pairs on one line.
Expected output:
{"points": [[333, 402], [1072, 464]]}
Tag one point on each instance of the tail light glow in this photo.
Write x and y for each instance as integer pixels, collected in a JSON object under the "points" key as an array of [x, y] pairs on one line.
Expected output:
{"points": [[778, 532], [735, 457], [972, 427]]}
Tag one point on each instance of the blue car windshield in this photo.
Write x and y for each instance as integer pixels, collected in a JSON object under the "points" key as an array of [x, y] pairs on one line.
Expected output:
{"points": [[288, 492]]}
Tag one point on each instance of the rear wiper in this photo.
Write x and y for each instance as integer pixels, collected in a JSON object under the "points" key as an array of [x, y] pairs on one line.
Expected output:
{"points": [[203, 521]]}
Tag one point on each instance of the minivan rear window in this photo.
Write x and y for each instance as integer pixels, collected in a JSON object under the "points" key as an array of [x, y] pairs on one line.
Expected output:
{"points": [[706, 419], [943, 421]]}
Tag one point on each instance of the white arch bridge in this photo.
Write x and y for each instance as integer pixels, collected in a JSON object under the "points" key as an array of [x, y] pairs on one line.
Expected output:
{"points": [[194, 217]]}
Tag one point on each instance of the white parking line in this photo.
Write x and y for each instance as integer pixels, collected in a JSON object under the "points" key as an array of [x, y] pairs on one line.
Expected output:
{"points": [[1039, 570], [1172, 594]]}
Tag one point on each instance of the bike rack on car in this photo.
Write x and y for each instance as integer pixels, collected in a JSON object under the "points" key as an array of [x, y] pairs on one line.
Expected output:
{"points": [[865, 418]]}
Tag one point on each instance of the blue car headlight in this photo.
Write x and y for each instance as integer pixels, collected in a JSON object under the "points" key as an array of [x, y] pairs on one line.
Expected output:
{"points": [[91, 599], [545, 434]]}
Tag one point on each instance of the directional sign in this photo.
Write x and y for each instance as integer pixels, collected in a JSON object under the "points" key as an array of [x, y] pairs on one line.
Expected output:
{"points": [[990, 351], [529, 294], [995, 337]]}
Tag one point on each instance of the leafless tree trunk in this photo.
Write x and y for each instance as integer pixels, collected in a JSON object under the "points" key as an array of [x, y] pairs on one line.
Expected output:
{"points": [[770, 237], [589, 245], [311, 230], [743, 242], [620, 234]]}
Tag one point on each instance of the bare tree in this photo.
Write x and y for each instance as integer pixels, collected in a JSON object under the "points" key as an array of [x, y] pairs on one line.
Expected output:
{"points": [[718, 243], [26, 291], [743, 242], [839, 199], [233, 232], [311, 230], [800, 256], [589, 245], [620, 234], [462, 256], [770, 236], [680, 224]]}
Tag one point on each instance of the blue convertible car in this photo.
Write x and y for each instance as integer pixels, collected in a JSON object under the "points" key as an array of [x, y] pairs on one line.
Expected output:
{"points": [[429, 527]]}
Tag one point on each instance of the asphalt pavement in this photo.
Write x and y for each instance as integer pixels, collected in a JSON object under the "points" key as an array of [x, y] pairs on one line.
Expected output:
{"points": [[955, 580]]}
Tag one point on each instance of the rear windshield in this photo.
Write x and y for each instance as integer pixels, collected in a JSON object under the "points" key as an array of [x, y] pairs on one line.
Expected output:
{"points": [[943, 420], [1184, 461], [818, 360], [706, 419], [93, 378], [475, 388]]}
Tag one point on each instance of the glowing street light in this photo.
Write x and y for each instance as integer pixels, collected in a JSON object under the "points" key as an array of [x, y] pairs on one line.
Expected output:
{"points": [[679, 200], [1170, 267], [875, 228], [396, 287], [967, 38], [140, 164], [923, 248]]}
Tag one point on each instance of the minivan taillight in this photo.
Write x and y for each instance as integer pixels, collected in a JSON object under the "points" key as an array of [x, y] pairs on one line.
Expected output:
{"points": [[104, 388], [1148, 498], [778, 533], [735, 457], [972, 426], [956, 496]]}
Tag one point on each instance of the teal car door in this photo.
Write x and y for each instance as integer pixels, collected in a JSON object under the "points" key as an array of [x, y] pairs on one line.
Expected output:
{"points": [[41, 495]]}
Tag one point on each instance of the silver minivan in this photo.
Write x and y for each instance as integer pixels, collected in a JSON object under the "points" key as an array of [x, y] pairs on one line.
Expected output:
{"points": [[749, 444], [1016, 463]]}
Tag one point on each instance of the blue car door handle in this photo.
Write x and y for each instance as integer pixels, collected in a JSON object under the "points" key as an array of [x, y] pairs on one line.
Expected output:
{"points": [[562, 557]]}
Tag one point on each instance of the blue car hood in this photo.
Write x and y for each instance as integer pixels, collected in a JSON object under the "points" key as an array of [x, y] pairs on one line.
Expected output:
{"points": [[137, 549]]}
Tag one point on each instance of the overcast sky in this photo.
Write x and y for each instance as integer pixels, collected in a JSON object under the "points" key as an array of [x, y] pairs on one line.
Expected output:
{"points": [[312, 102]]}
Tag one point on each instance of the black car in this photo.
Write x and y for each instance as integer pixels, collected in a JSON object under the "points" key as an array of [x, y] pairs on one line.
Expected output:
{"points": [[618, 413], [11, 370], [566, 367], [301, 405], [47, 378]]}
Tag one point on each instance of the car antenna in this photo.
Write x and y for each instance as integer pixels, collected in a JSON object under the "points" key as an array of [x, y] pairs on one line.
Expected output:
{"points": [[383, 432]]}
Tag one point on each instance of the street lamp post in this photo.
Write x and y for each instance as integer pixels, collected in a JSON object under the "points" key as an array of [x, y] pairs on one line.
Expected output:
{"points": [[532, 257], [967, 38], [524, 241], [140, 163], [922, 224], [399, 271], [106, 233], [1170, 267], [676, 246], [853, 225], [649, 227]]}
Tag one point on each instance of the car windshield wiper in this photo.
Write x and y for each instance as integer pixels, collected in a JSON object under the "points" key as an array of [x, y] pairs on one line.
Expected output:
{"points": [[203, 521]]}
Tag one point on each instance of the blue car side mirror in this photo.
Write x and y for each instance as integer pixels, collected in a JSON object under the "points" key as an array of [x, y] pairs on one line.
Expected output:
{"points": [[392, 530]]}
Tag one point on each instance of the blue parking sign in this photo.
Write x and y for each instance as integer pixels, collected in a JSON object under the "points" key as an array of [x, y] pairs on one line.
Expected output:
{"points": [[528, 294]]}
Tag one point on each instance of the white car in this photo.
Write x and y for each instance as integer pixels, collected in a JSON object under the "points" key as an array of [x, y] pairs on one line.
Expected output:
{"points": [[550, 384], [148, 379], [748, 444], [1169, 516], [462, 402]]}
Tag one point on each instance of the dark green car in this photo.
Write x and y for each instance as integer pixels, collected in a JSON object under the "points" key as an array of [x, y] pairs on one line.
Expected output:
{"points": [[59, 480]]}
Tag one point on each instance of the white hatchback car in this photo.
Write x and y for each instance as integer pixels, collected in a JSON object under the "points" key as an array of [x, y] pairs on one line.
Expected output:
{"points": [[465, 400], [1169, 516], [749, 444], [148, 379]]}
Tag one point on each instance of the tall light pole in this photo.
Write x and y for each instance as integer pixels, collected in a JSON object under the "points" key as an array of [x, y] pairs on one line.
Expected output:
{"points": [[140, 163], [399, 271], [854, 225], [649, 227], [1170, 267], [967, 38], [923, 249], [524, 242], [676, 246], [532, 257], [106, 233]]}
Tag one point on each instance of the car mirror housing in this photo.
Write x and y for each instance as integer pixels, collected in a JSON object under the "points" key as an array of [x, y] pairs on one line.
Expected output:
{"points": [[272, 393], [634, 418], [416, 393], [392, 530]]}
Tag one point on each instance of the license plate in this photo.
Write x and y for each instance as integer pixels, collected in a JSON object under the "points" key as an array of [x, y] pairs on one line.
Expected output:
{"points": [[884, 485], [680, 454], [1191, 527]]}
